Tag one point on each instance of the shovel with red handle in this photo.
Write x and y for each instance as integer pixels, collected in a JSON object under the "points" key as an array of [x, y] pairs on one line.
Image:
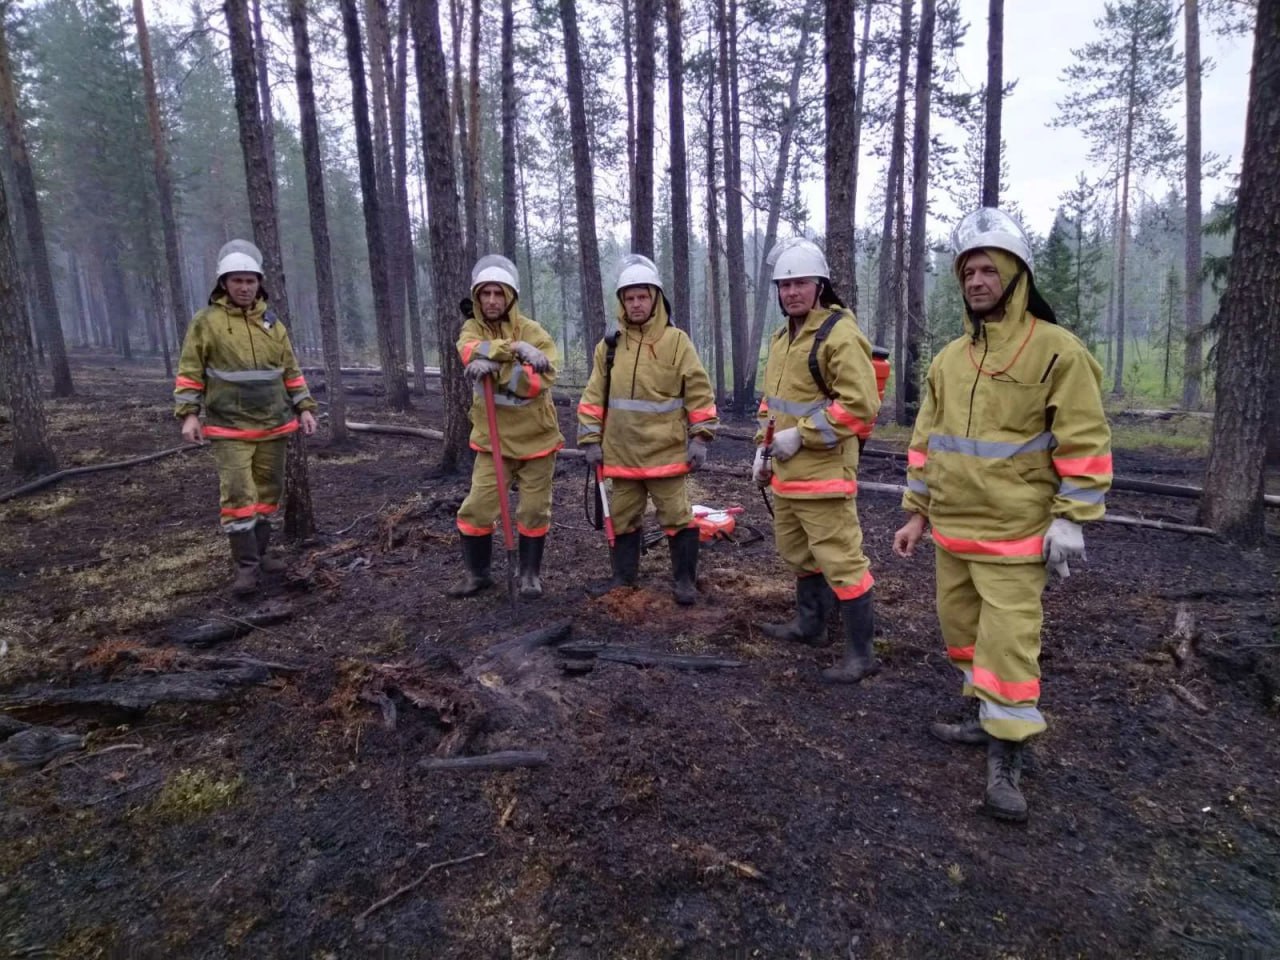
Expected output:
{"points": [[604, 506], [768, 459], [504, 499]]}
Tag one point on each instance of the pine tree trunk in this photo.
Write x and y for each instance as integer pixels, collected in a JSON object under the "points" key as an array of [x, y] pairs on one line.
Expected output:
{"points": [[471, 240], [726, 25], [1248, 349], [524, 212], [448, 272], [49, 324], [32, 452], [473, 122], [264, 97], [642, 227], [1122, 254], [679, 168], [887, 295], [841, 148], [713, 235], [509, 135], [1193, 291], [164, 180], [856, 150], [994, 105], [584, 195], [380, 80], [393, 374], [299, 521], [405, 246], [629, 81], [314, 166], [909, 374]]}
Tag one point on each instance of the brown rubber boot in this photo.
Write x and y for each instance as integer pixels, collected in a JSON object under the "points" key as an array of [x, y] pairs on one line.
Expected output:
{"points": [[266, 562], [477, 552], [684, 565], [531, 566], [244, 551], [859, 658], [1004, 799], [813, 600]]}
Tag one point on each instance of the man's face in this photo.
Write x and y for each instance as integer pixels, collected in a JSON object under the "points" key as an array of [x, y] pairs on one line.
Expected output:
{"points": [[798, 295], [637, 303], [980, 281], [493, 300], [242, 288]]}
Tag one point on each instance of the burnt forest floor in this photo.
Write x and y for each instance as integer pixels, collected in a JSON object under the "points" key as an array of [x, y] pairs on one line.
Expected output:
{"points": [[746, 811]]}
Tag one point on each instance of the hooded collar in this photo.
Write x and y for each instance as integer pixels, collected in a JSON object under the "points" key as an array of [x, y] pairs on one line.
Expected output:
{"points": [[651, 330], [255, 311], [510, 315], [1013, 324]]}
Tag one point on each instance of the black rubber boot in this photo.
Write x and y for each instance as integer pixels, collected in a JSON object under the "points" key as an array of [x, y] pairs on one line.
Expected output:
{"points": [[531, 566], [625, 557], [684, 566], [1004, 799], [476, 555], [813, 599], [968, 732], [266, 562], [244, 551], [859, 659]]}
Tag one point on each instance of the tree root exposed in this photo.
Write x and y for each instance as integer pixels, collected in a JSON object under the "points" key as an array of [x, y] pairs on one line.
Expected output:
{"points": [[52, 478], [646, 658], [502, 760]]}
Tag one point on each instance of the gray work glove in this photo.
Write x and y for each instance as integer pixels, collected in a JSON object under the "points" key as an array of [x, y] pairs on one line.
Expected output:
{"points": [[479, 368], [593, 453], [1063, 541], [786, 444], [528, 353], [697, 454], [760, 471]]}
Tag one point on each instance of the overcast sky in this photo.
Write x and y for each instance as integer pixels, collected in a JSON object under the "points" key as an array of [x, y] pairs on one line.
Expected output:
{"points": [[1043, 162]]}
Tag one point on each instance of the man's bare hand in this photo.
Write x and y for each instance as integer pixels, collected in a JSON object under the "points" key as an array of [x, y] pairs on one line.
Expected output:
{"points": [[908, 535], [192, 431], [308, 421]]}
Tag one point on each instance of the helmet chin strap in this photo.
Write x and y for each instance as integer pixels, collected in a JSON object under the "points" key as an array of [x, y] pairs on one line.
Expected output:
{"points": [[979, 317]]}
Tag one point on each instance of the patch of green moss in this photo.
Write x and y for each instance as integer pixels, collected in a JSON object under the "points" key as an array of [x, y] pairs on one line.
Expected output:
{"points": [[194, 793]]}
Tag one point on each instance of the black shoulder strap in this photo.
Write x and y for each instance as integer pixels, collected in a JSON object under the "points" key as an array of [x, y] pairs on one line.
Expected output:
{"points": [[610, 350], [819, 338]]}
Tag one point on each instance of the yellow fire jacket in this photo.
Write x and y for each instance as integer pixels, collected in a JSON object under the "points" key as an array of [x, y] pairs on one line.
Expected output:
{"points": [[830, 425], [238, 364], [526, 416], [1011, 434], [659, 396]]}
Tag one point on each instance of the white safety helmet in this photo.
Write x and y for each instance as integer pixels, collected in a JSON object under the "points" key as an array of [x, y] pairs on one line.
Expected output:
{"points": [[797, 257], [989, 227], [239, 256], [495, 268], [636, 270]]}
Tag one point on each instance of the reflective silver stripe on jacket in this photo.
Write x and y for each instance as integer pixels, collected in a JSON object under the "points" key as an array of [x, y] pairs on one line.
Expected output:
{"points": [[502, 399], [991, 449], [188, 396], [585, 431], [517, 374], [245, 376], [648, 406], [1069, 491], [917, 486], [302, 394], [998, 711], [822, 423], [793, 408]]}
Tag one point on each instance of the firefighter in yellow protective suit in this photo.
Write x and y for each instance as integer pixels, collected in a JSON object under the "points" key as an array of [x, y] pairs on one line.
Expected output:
{"points": [[499, 342], [820, 392], [1011, 453], [238, 366], [648, 413]]}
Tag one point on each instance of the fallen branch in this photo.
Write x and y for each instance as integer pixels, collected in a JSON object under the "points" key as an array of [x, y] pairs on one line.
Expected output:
{"points": [[1184, 634], [139, 694], [646, 658], [502, 760], [395, 430], [517, 647], [228, 628], [395, 894], [1189, 698], [53, 478]]}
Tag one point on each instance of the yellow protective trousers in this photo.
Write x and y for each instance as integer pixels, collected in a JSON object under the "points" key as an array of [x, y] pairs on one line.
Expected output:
{"points": [[670, 497], [482, 510], [250, 480], [823, 536], [990, 615]]}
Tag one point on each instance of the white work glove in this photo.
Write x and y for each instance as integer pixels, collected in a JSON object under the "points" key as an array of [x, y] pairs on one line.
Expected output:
{"points": [[593, 453], [1063, 541], [760, 471], [697, 456], [479, 368], [528, 353], [786, 444]]}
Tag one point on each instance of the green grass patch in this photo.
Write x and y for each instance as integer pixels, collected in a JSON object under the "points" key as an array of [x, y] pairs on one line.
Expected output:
{"points": [[194, 793]]}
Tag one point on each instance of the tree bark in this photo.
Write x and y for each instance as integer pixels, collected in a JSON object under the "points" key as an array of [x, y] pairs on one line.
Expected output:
{"points": [[381, 79], [313, 163], [164, 180], [1193, 290], [509, 242], [642, 227], [449, 277], [1248, 347], [299, 518], [392, 366], [471, 240], [584, 190], [629, 82], [887, 295], [726, 24], [841, 145], [679, 168], [49, 323], [32, 452], [405, 253], [473, 123], [995, 102], [1122, 248], [264, 97], [908, 381], [713, 234]]}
